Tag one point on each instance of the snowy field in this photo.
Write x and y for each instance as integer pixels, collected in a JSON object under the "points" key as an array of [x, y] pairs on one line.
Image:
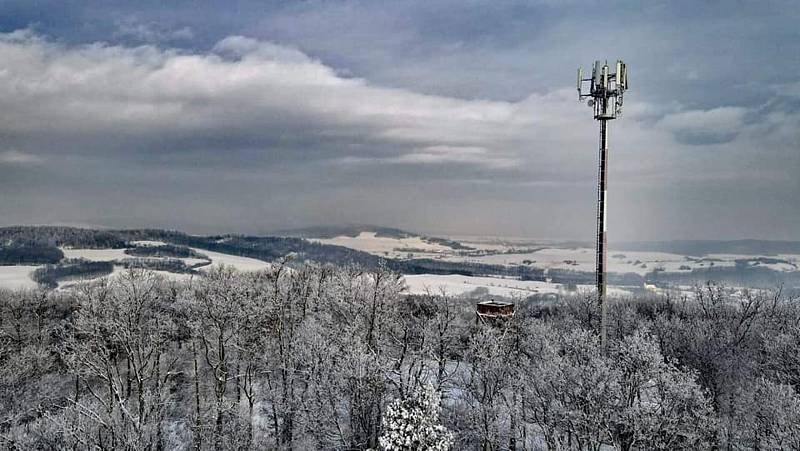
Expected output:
{"points": [[543, 254], [494, 251], [454, 284], [793, 261], [418, 247], [17, 277], [582, 259], [457, 285], [217, 259], [96, 255], [387, 246], [502, 244], [240, 263], [69, 283]]}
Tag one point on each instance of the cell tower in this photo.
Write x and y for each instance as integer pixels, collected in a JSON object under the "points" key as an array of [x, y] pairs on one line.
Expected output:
{"points": [[605, 92]]}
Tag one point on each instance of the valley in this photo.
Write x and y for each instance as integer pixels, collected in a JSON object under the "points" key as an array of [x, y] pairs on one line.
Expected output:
{"points": [[466, 266]]}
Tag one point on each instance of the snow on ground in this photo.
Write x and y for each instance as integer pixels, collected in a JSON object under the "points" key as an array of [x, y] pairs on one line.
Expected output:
{"points": [[610, 290], [575, 259], [487, 244], [97, 255], [386, 246], [175, 276], [240, 263], [506, 251], [626, 261], [17, 277], [792, 260], [69, 283], [583, 259], [454, 284], [785, 267], [193, 261], [500, 245], [217, 258]]}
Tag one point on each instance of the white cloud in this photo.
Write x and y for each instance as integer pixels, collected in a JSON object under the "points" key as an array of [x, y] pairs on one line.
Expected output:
{"points": [[263, 97], [247, 90], [17, 157], [705, 126], [278, 102], [450, 154], [277, 121]]}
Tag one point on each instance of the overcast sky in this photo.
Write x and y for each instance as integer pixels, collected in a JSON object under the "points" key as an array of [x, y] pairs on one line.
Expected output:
{"points": [[448, 117]]}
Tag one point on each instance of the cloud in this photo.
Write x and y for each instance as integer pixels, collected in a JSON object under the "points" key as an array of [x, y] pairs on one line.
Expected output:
{"points": [[701, 127], [441, 155], [245, 95], [252, 132], [18, 158], [448, 154]]}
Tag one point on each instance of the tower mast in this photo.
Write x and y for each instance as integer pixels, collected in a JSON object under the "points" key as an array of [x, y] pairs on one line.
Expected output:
{"points": [[605, 97]]}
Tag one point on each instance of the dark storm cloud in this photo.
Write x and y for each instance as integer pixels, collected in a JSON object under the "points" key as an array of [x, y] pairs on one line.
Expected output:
{"points": [[445, 116]]}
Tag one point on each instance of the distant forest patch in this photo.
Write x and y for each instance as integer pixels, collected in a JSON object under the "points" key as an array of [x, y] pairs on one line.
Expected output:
{"points": [[452, 244], [30, 254], [58, 236], [172, 265], [50, 275], [165, 250]]}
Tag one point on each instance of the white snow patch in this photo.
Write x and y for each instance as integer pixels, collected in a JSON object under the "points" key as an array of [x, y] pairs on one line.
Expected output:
{"points": [[386, 246], [17, 277], [240, 263], [97, 255], [193, 261], [583, 259], [457, 284], [454, 284], [178, 277]]}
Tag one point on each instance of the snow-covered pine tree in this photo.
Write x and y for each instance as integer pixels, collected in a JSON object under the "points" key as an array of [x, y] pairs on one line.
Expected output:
{"points": [[412, 423]]}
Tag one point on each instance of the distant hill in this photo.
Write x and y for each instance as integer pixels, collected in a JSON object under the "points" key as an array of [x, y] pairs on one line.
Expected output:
{"points": [[682, 247], [325, 232], [268, 248], [41, 245], [57, 236], [704, 247], [352, 231], [262, 248]]}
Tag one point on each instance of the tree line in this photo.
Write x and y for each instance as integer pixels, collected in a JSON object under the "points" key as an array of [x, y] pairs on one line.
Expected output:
{"points": [[338, 357]]}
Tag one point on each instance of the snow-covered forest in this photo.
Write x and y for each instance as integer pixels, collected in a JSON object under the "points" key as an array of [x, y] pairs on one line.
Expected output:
{"points": [[334, 357]]}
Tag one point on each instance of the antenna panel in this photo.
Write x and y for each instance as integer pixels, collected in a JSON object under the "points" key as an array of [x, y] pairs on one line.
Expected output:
{"points": [[596, 75], [625, 77], [605, 76]]}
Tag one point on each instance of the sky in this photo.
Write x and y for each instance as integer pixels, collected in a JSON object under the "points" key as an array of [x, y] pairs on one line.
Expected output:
{"points": [[443, 117]]}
